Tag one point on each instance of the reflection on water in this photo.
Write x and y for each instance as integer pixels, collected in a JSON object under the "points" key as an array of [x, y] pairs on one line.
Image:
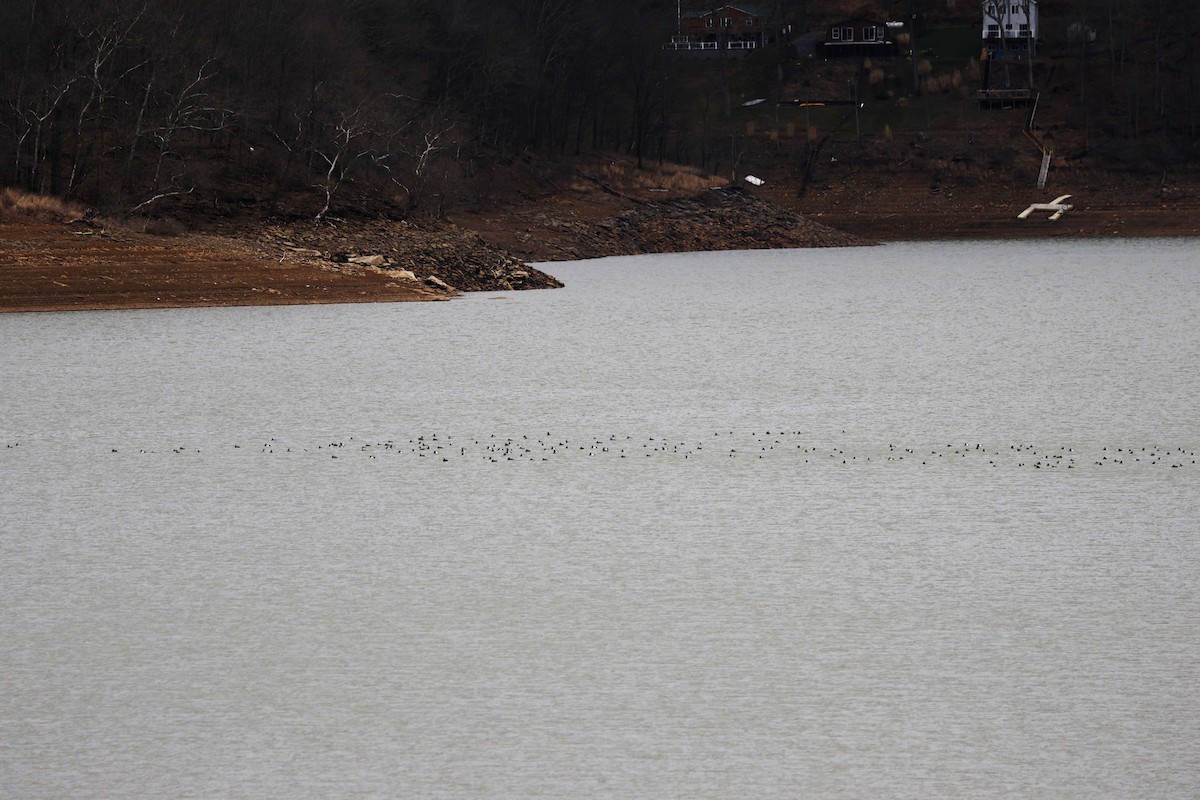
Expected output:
{"points": [[912, 521]]}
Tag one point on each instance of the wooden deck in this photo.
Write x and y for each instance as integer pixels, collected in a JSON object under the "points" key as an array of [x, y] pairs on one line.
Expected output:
{"points": [[1005, 98]]}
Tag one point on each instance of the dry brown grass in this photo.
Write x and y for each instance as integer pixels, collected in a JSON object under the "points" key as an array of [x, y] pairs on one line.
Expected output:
{"points": [[19, 205], [668, 177], [15, 204], [945, 82]]}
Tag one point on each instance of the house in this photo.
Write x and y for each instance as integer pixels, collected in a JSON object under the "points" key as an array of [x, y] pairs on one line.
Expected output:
{"points": [[861, 37], [728, 27], [1010, 25], [1010, 28]]}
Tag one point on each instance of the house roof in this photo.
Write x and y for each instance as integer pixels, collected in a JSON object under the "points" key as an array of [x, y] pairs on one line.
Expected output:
{"points": [[743, 8], [857, 21]]}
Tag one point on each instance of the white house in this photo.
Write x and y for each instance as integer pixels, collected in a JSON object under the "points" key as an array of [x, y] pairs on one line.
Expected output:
{"points": [[1010, 24]]}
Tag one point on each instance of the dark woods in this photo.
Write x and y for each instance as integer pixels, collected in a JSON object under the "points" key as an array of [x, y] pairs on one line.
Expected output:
{"points": [[304, 104], [311, 107]]}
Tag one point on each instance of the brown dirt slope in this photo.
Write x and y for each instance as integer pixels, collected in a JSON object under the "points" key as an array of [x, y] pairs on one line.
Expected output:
{"points": [[51, 264], [593, 216]]}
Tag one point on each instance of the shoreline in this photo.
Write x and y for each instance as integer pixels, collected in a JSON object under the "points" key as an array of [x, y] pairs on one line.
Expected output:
{"points": [[48, 265], [56, 265], [1085, 221]]}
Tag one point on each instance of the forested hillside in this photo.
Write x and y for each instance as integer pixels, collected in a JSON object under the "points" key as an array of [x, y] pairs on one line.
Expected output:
{"points": [[132, 102], [306, 105]]}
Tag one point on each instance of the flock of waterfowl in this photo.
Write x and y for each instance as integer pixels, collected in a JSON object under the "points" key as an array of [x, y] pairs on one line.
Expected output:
{"points": [[798, 446]]}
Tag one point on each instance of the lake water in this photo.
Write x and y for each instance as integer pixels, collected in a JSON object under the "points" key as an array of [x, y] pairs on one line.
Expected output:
{"points": [[911, 521]]}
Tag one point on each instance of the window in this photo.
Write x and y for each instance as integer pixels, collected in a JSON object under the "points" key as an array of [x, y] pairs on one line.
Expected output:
{"points": [[837, 34], [709, 22], [848, 34], [727, 22], [749, 20], [869, 34], [1016, 9], [993, 30]]}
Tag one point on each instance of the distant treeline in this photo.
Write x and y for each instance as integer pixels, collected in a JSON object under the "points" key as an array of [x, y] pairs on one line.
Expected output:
{"points": [[136, 104], [133, 103]]}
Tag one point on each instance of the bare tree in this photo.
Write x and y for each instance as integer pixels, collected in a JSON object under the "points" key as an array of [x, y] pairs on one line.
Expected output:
{"points": [[189, 109], [998, 15], [343, 145], [102, 37], [32, 122], [424, 146]]}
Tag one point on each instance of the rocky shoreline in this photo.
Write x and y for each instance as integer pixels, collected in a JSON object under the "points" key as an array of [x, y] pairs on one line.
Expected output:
{"points": [[725, 218], [440, 255], [86, 264], [53, 262]]}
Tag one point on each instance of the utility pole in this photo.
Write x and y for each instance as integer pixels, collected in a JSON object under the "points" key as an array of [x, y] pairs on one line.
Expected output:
{"points": [[912, 41], [857, 106], [723, 44]]}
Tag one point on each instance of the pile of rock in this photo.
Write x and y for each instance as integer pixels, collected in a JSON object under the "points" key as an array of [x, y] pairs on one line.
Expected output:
{"points": [[719, 219], [442, 255], [727, 218]]}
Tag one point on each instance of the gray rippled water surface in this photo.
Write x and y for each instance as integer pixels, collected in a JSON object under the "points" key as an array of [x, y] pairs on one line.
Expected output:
{"points": [[910, 521]]}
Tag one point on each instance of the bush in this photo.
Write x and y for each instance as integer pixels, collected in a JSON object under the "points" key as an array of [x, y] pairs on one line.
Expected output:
{"points": [[16, 203]]}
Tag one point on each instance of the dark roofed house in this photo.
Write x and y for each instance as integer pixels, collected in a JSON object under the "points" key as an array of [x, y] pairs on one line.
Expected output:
{"points": [[860, 37], [731, 26]]}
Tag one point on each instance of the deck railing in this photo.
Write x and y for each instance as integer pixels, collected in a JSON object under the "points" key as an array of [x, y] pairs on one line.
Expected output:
{"points": [[736, 44]]}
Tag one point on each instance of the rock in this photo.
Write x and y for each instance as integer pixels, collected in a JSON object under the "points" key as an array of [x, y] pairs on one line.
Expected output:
{"points": [[434, 280], [458, 258]]}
